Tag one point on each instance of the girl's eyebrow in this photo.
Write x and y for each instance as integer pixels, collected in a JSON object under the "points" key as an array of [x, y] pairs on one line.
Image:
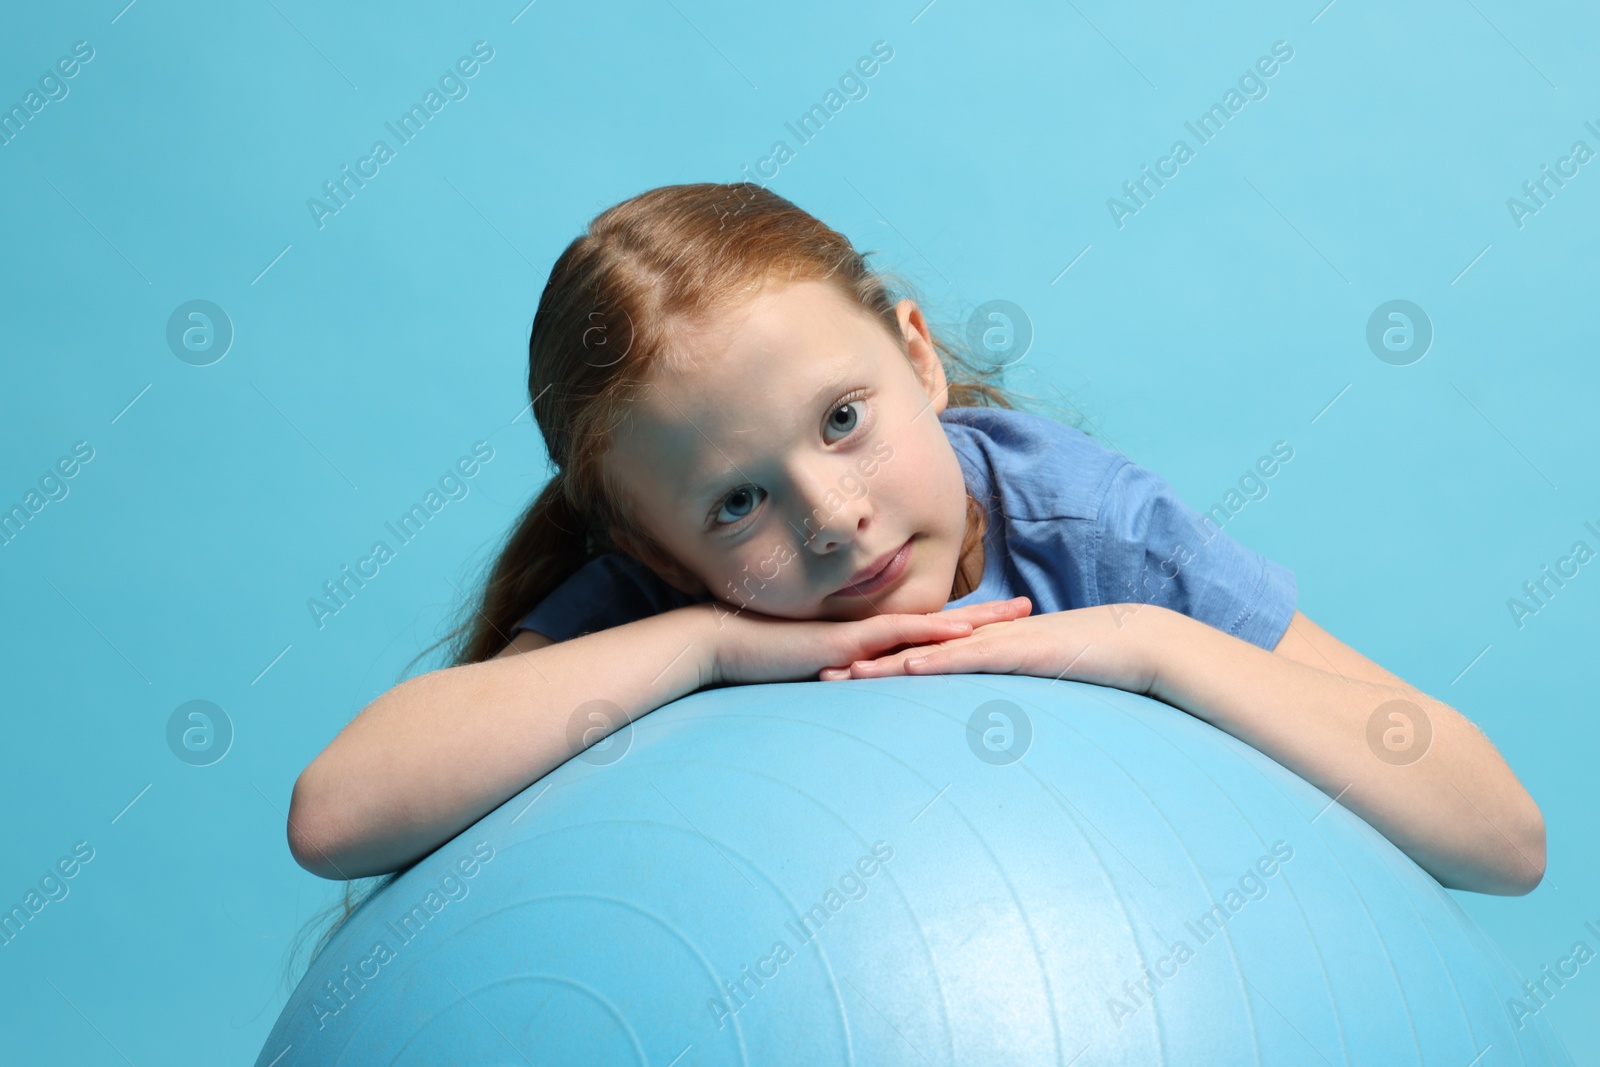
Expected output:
{"points": [[835, 381]]}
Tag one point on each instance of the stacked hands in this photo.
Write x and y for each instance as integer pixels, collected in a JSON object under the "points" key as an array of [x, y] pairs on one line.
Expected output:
{"points": [[1108, 645]]}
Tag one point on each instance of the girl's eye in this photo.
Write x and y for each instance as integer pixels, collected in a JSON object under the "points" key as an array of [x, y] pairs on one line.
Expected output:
{"points": [[740, 502], [844, 418]]}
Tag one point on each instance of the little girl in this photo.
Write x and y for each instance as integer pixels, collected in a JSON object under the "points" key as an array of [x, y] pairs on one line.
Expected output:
{"points": [[769, 469]]}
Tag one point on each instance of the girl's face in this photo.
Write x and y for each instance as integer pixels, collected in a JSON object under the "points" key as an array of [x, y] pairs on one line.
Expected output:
{"points": [[798, 450]]}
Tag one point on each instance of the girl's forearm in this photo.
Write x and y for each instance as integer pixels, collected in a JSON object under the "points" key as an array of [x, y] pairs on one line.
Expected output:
{"points": [[1458, 811], [437, 752]]}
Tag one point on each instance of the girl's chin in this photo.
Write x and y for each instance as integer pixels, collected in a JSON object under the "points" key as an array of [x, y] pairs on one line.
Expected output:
{"points": [[907, 598]]}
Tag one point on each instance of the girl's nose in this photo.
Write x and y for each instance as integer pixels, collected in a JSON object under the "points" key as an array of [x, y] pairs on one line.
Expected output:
{"points": [[832, 518], [836, 534]]}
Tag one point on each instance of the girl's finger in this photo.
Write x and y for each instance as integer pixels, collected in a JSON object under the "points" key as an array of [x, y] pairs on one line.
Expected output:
{"points": [[932, 663], [885, 632], [893, 663], [977, 657], [992, 612], [896, 630], [991, 607]]}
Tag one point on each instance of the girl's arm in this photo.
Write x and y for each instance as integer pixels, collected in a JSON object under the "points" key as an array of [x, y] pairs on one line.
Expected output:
{"points": [[437, 752], [434, 754], [1453, 806]]}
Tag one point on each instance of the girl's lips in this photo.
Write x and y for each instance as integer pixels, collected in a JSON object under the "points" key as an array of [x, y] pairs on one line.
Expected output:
{"points": [[890, 573]]}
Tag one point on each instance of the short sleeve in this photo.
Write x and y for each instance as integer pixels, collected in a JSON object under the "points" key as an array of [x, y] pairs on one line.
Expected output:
{"points": [[1155, 549], [608, 590]]}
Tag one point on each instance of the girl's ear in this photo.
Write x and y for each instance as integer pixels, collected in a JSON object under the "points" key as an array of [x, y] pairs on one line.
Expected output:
{"points": [[668, 570], [922, 354]]}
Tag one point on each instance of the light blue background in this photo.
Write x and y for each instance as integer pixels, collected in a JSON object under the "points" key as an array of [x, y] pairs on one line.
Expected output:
{"points": [[1224, 316]]}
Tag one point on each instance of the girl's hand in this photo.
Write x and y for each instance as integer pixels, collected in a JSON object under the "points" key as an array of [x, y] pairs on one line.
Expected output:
{"points": [[1109, 645], [750, 647]]}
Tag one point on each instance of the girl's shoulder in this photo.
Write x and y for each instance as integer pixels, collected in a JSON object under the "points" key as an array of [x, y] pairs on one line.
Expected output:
{"points": [[1043, 469], [607, 590]]}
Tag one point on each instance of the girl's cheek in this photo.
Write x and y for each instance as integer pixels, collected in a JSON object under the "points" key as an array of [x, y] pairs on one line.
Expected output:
{"points": [[767, 569], [758, 578], [742, 587]]}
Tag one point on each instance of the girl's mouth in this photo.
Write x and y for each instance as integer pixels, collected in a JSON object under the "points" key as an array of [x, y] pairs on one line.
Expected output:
{"points": [[886, 575]]}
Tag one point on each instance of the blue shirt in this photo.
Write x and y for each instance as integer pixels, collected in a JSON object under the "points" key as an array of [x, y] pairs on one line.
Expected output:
{"points": [[1072, 524]]}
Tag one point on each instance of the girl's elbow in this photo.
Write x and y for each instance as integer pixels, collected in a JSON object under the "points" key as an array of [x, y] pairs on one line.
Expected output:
{"points": [[1513, 864], [314, 840], [1527, 858]]}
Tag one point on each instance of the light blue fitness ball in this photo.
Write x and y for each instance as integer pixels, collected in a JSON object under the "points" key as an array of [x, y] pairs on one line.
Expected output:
{"points": [[964, 869]]}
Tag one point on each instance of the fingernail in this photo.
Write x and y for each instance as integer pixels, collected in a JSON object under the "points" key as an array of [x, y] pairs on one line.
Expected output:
{"points": [[916, 662]]}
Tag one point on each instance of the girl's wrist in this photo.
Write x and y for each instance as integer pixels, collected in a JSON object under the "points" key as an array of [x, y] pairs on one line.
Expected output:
{"points": [[708, 623], [1149, 634]]}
